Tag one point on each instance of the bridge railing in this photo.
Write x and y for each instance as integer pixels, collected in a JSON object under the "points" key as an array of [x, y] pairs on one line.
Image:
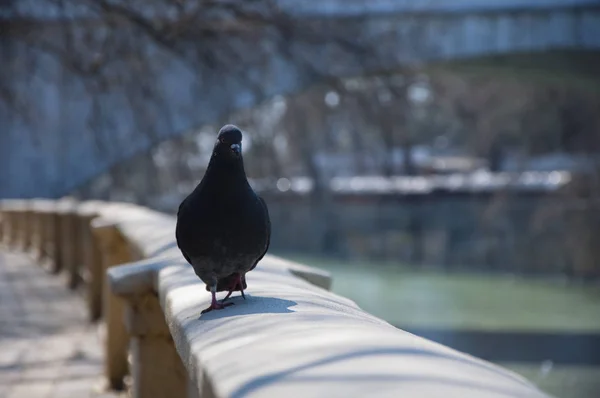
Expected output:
{"points": [[291, 337]]}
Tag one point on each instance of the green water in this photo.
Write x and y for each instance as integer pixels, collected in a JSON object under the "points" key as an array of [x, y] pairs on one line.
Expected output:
{"points": [[407, 298]]}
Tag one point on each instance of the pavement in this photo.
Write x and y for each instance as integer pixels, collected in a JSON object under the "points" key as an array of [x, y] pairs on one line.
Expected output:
{"points": [[48, 348]]}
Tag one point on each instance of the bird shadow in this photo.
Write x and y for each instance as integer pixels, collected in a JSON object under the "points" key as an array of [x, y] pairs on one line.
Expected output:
{"points": [[252, 305], [181, 278]]}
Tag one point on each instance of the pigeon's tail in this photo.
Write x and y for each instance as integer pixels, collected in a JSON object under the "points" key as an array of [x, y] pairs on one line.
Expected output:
{"points": [[225, 284]]}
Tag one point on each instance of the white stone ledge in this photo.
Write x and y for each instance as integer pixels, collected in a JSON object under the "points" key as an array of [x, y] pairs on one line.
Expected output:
{"points": [[136, 278], [291, 337]]}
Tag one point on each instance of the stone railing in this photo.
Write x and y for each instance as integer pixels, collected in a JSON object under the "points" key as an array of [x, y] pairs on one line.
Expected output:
{"points": [[291, 337]]}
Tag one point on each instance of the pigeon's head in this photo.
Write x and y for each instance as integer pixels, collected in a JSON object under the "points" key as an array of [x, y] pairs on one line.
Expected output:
{"points": [[229, 142]]}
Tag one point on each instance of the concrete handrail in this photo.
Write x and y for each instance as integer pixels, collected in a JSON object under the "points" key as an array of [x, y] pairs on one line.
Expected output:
{"points": [[291, 337]]}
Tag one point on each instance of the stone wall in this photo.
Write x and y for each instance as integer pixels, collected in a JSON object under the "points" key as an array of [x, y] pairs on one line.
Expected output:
{"points": [[71, 133]]}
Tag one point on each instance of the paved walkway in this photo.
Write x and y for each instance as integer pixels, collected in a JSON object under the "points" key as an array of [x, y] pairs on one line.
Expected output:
{"points": [[48, 349]]}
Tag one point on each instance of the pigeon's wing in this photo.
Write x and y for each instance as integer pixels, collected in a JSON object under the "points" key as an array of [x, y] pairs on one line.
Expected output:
{"points": [[266, 210], [187, 258], [181, 205], [185, 255]]}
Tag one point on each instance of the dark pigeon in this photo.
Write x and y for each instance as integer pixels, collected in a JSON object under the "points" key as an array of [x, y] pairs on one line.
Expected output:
{"points": [[223, 227]]}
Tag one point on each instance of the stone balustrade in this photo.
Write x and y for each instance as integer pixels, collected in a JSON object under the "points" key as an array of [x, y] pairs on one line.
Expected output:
{"points": [[291, 337]]}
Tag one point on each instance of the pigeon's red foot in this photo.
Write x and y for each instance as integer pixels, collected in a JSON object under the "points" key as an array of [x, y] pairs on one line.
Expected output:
{"points": [[216, 306], [237, 281]]}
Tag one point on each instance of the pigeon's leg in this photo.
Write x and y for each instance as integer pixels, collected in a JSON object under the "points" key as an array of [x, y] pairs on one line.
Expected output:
{"points": [[237, 281], [215, 305], [242, 277]]}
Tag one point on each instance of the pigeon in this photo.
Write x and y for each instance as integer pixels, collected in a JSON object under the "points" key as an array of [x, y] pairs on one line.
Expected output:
{"points": [[223, 227]]}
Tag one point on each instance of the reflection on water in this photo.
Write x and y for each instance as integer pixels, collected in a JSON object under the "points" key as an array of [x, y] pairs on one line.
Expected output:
{"points": [[561, 381]]}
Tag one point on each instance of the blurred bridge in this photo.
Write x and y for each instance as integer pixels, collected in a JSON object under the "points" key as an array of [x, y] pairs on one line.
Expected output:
{"points": [[56, 149]]}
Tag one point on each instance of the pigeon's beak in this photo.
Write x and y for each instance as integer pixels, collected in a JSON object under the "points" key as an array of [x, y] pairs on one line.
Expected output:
{"points": [[236, 148]]}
